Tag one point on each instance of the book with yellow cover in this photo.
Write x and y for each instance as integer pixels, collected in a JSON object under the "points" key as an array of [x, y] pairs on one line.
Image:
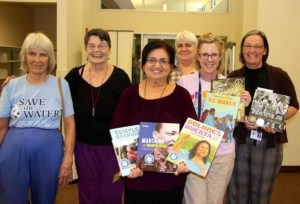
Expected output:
{"points": [[196, 145], [231, 86]]}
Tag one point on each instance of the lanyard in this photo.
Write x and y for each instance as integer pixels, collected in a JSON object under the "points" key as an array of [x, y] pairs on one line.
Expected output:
{"points": [[199, 99]]}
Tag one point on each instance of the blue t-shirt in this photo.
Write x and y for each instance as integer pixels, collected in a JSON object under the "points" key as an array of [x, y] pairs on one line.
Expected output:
{"points": [[38, 106]]}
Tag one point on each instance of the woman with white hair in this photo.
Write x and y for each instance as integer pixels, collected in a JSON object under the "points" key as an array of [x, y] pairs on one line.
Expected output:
{"points": [[32, 152], [186, 52]]}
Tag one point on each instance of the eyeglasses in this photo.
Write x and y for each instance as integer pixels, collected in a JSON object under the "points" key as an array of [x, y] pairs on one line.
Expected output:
{"points": [[255, 47], [213, 56], [162, 62], [100, 46]]}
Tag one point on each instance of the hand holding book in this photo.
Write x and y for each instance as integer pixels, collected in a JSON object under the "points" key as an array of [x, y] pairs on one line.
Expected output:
{"points": [[181, 168], [135, 172], [254, 126], [245, 98]]}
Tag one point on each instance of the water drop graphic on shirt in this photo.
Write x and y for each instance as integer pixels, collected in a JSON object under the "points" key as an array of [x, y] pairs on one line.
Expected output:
{"points": [[15, 112]]}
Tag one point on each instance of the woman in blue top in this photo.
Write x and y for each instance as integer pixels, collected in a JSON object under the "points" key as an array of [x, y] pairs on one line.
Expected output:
{"points": [[32, 153]]}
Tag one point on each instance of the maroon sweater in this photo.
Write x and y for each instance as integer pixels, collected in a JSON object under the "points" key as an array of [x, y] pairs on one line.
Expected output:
{"points": [[133, 109]]}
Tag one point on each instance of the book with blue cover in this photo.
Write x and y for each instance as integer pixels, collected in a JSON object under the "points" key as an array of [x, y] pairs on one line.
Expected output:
{"points": [[124, 140], [220, 111], [196, 145], [155, 142]]}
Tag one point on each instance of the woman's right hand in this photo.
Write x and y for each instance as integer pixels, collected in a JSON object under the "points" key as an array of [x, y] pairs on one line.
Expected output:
{"points": [[250, 126], [3, 128], [7, 80], [135, 172]]}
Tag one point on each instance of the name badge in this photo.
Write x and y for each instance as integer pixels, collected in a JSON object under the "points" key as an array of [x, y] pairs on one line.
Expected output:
{"points": [[256, 135]]}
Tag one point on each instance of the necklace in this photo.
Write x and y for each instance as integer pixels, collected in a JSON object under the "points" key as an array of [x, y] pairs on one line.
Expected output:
{"points": [[161, 92], [94, 100], [154, 104]]}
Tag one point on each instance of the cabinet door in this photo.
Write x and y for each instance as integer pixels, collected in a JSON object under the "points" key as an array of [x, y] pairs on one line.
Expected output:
{"points": [[9, 62], [121, 50]]}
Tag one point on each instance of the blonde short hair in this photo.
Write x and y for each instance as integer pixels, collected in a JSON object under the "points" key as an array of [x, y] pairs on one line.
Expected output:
{"points": [[186, 36], [211, 38], [40, 41]]}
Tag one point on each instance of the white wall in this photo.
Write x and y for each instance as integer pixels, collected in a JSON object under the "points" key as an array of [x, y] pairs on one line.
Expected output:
{"points": [[281, 23], [121, 50], [70, 30]]}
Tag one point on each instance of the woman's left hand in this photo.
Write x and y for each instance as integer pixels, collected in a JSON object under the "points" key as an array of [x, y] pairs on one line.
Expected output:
{"points": [[181, 168], [269, 129], [66, 172], [245, 98]]}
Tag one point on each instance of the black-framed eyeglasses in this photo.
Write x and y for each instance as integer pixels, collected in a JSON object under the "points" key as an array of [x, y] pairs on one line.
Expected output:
{"points": [[162, 61]]}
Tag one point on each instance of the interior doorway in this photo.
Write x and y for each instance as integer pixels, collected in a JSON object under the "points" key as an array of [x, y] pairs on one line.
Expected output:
{"points": [[140, 40]]}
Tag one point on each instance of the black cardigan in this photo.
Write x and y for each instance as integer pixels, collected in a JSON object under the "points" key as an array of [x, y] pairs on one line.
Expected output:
{"points": [[280, 82]]}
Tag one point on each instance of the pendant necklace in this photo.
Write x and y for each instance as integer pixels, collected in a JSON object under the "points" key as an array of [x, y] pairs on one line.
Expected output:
{"points": [[157, 104], [160, 94], [94, 100]]}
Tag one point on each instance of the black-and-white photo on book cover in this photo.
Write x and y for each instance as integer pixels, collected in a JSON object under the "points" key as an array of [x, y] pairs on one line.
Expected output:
{"points": [[269, 109]]}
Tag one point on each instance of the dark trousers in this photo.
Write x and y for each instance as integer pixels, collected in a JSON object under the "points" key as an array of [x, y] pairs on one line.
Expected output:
{"points": [[96, 166]]}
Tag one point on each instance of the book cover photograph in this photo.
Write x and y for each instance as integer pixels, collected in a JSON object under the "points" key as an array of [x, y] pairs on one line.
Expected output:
{"points": [[196, 145], [124, 140], [220, 111], [155, 142], [195, 98], [234, 87], [269, 109]]}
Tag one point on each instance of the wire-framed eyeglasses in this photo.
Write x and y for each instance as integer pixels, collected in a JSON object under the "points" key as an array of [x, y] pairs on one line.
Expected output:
{"points": [[162, 61]]}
